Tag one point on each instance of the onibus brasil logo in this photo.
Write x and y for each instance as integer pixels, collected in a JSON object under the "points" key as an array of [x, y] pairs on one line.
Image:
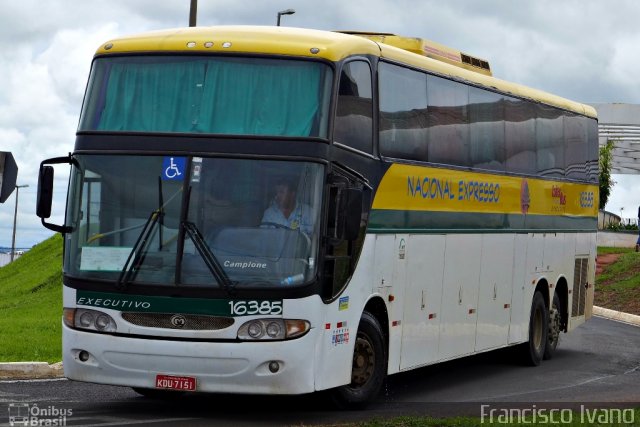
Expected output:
{"points": [[25, 414]]}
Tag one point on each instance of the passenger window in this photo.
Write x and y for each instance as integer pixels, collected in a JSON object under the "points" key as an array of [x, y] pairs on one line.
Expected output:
{"points": [[520, 136], [448, 121], [549, 141], [486, 129], [403, 112], [576, 148], [353, 126]]}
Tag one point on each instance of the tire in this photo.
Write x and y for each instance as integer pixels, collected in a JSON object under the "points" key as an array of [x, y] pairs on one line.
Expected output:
{"points": [[553, 334], [538, 327], [369, 367]]}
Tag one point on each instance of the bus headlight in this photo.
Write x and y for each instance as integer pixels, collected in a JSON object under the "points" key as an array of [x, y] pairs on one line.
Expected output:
{"points": [[93, 320], [273, 329]]}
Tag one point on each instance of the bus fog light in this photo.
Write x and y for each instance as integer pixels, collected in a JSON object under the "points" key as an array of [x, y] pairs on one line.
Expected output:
{"points": [[274, 367], [83, 356]]}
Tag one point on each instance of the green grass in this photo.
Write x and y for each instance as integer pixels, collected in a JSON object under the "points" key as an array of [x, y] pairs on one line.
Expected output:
{"points": [[623, 273], [31, 305], [618, 286], [602, 250]]}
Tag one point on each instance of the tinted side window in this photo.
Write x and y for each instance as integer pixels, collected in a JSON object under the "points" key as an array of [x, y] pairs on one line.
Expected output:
{"points": [[353, 126], [549, 141], [519, 131], [448, 121], [486, 129], [592, 140], [403, 112], [576, 148]]}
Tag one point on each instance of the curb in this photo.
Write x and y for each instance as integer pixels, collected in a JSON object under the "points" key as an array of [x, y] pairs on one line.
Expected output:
{"points": [[616, 315], [43, 370], [30, 370]]}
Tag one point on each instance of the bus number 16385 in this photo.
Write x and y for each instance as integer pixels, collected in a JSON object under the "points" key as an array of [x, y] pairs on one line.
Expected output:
{"points": [[242, 308]]}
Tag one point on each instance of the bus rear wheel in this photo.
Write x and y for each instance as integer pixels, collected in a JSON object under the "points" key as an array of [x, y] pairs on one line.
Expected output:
{"points": [[553, 335], [538, 331], [368, 370]]}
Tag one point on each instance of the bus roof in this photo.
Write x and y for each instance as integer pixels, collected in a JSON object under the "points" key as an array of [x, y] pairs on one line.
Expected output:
{"points": [[430, 49], [246, 39], [302, 42]]}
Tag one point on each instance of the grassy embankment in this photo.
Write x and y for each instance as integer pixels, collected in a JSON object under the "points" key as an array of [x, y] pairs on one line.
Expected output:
{"points": [[31, 305], [618, 286]]}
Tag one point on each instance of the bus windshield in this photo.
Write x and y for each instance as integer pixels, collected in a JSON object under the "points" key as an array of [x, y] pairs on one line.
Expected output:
{"points": [[193, 221], [208, 94]]}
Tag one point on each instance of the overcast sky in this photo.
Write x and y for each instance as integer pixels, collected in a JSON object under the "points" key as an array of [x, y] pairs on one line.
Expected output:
{"points": [[584, 50]]}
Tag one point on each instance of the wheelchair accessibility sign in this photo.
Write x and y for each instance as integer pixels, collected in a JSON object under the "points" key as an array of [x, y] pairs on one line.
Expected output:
{"points": [[173, 168]]}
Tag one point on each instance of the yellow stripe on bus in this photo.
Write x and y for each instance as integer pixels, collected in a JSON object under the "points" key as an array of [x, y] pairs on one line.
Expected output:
{"points": [[419, 188]]}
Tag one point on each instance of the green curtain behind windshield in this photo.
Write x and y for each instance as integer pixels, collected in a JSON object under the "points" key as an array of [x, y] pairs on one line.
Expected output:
{"points": [[152, 97], [224, 96]]}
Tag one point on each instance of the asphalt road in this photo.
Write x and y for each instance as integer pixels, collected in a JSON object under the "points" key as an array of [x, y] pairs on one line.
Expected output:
{"points": [[596, 366]]}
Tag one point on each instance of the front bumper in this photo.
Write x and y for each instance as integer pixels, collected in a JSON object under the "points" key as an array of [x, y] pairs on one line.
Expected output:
{"points": [[223, 367]]}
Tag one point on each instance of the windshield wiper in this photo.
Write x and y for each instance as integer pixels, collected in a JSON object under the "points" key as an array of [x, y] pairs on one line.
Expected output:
{"points": [[209, 258], [138, 252]]}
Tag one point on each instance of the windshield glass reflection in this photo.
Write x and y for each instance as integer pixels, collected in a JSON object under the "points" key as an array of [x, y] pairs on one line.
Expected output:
{"points": [[179, 221]]}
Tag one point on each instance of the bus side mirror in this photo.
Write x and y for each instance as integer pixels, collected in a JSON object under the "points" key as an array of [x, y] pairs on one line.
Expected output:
{"points": [[45, 192], [8, 175], [349, 213]]}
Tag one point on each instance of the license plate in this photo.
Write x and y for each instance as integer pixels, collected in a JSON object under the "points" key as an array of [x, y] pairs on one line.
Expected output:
{"points": [[172, 382]]}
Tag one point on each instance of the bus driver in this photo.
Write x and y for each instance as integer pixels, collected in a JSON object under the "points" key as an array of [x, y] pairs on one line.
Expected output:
{"points": [[286, 211]]}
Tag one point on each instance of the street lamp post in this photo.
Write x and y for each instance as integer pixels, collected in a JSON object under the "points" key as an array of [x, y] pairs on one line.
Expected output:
{"points": [[15, 215], [193, 13], [285, 12]]}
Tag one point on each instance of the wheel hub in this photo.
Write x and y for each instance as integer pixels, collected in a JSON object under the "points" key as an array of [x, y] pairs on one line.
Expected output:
{"points": [[363, 362], [554, 325]]}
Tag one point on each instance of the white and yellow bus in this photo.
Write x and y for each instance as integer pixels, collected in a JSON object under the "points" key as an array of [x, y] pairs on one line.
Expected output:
{"points": [[438, 212]]}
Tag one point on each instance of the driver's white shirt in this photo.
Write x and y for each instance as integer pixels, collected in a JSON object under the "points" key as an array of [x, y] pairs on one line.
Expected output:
{"points": [[299, 218]]}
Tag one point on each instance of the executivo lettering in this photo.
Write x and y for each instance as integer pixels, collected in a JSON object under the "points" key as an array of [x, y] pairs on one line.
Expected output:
{"points": [[113, 303], [163, 304]]}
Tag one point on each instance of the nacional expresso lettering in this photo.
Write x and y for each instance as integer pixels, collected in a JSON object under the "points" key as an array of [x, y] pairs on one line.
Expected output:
{"points": [[446, 189]]}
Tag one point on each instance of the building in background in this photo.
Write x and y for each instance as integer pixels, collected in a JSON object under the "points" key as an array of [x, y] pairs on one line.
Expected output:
{"points": [[5, 257], [621, 123]]}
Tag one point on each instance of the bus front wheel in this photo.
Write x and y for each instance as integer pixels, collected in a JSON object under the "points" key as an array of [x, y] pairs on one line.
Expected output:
{"points": [[538, 331], [368, 370]]}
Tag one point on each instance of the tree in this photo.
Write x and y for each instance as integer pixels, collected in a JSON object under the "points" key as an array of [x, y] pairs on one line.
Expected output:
{"points": [[605, 162]]}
